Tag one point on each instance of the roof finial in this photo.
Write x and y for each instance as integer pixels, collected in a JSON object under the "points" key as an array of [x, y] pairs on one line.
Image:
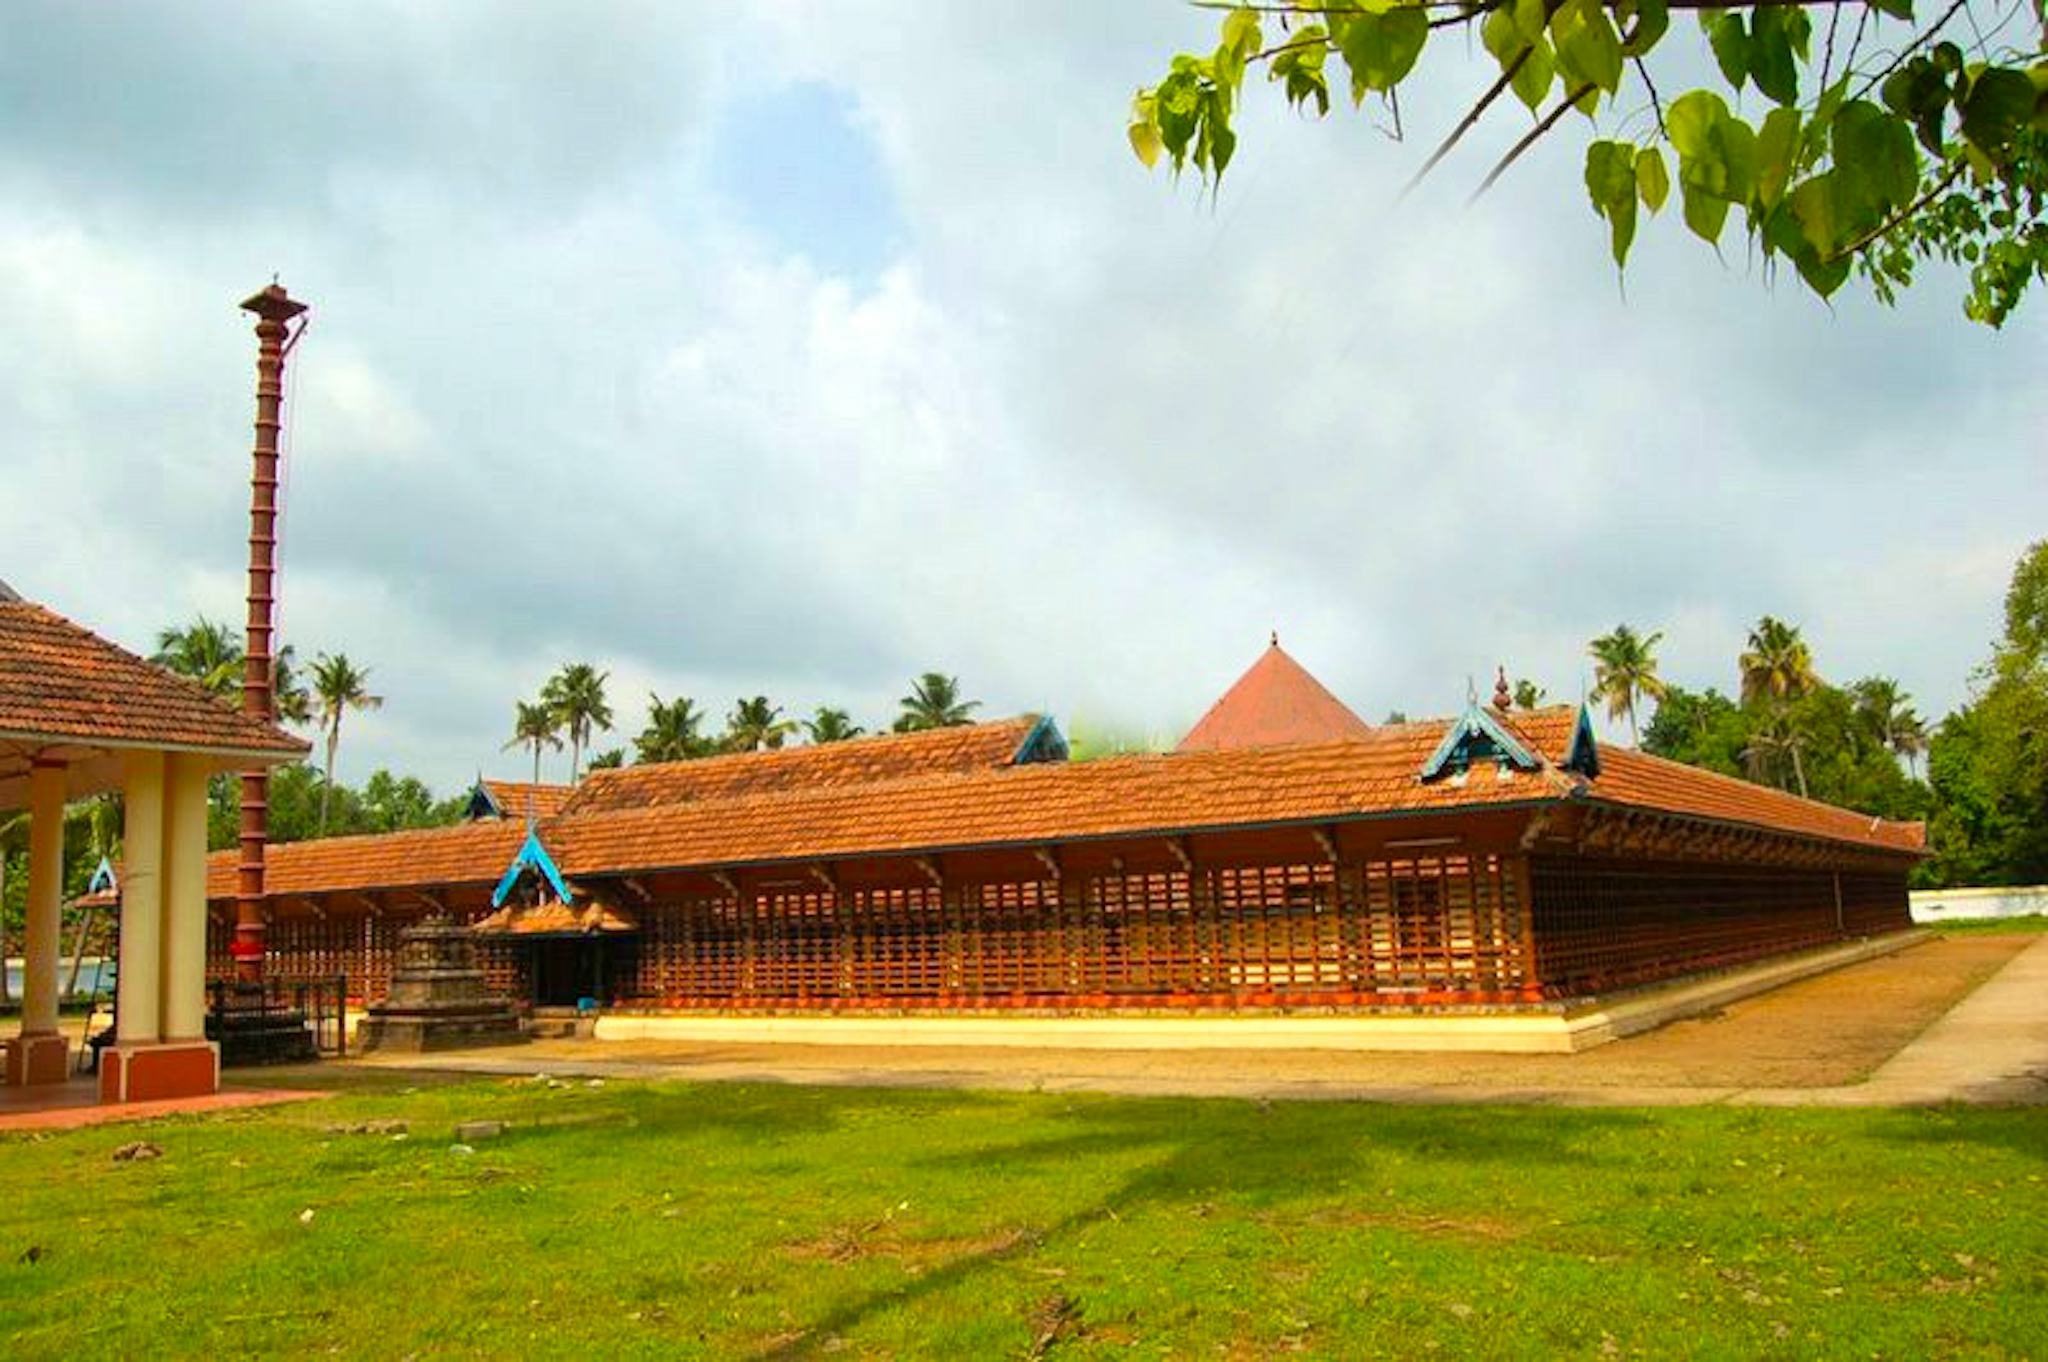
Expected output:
{"points": [[1471, 690], [1503, 698], [1276, 638]]}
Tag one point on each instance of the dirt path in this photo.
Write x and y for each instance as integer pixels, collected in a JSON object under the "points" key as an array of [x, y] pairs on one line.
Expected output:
{"points": [[1823, 1035]]}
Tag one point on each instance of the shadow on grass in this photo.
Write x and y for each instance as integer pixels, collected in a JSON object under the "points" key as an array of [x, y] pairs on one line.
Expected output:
{"points": [[1258, 1154], [2017, 1130]]}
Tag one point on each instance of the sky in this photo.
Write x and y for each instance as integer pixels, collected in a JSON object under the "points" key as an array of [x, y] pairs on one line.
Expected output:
{"points": [[800, 348]]}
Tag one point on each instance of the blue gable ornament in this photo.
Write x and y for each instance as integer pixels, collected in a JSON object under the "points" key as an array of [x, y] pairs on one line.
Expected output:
{"points": [[534, 857], [1477, 735]]}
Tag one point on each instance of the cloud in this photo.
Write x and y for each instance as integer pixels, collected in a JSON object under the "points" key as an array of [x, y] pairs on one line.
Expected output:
{"points": [[576, 388]]}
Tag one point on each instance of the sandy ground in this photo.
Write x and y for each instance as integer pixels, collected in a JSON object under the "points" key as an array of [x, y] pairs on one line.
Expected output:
{"points": [[1827, 1032]]}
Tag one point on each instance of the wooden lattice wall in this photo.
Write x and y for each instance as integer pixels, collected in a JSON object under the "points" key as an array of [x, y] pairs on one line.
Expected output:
{"points": [[1603, 924], [1445, 928]]}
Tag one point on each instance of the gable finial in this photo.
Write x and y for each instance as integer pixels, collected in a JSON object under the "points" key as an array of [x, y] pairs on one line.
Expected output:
{"points": [[1503, 698], [1471, 690], [1276, 638]]}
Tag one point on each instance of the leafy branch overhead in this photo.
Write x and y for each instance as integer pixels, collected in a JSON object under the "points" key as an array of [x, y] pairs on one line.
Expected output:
{"points": [[1874, 142]]}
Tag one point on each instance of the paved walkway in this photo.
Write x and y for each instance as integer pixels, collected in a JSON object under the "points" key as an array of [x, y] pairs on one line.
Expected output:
{"points": [[1990, 1048], [68, 1106]]}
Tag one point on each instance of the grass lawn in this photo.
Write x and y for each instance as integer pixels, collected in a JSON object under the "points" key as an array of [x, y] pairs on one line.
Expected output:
{"points": [[752, 1220], [1963, 926]]}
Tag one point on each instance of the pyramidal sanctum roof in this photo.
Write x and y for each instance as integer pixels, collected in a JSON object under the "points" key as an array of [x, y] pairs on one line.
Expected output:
{"points": [[1274, 703]]}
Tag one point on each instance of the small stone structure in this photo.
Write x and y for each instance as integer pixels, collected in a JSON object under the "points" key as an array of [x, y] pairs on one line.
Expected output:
{"points": [[437, 999]]}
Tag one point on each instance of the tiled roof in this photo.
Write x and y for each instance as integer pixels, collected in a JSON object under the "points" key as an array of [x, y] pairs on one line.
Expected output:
{"points": [[857, 761], [515, 797], [965, 807], [556, 919], [60, 681], [1275, 702], [468, 853], [1151, 793], [1640, 780]]}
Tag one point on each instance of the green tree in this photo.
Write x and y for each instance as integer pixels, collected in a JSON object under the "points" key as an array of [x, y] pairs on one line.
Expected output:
{"points": [[831, 725], [1699, 728], [289, 698], [394, 803], [934, 702], [1876, 143], [672, 731], [536, 725], [341, 686], [1624, 672], [1528, 695], [1888, 717], [1988, 762], [576, 695], [1777, 673], [755, 725], [611, 759], [205, 650]]}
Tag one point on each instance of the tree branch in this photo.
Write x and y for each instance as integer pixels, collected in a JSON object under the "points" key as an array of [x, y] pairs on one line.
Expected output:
{"points": [[1910, 48], [1885, 228], [1443, 148], [1529, 140], [1655, 102]]}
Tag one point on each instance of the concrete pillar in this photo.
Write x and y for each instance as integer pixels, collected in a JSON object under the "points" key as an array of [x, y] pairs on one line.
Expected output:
{"points": [[142, 901], [40, 1053], [159, 1048], [45, 898], [182, 1000]]}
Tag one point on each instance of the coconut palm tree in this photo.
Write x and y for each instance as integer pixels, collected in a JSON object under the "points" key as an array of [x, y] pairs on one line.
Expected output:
{"points": [[672, 730], [1625, 671], [756, 725], [207, 651], [1528, 695], [1778, 666], [576, 694], [535, 725], [341, 686], [832, 725], [611, 759], [1777, 672], [934, 702], [289, 698], [1887, 715]]}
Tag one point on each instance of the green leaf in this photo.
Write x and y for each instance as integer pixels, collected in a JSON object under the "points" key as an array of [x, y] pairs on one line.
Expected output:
{"points": [[1730, 42], [1777, 150], [1652, 21], [1898, 9], [1704, 213], [1653, 182], [1588, 48], [1611, 183], [1381, 49], [2000, 104], [1692, 119], [1532, 17], [1817, 205], [1145, 141], [1874, 156], [1536, 75], [1770, 55]]}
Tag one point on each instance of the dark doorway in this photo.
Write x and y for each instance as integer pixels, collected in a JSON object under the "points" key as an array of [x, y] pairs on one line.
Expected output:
{"points": [[568, 970]]}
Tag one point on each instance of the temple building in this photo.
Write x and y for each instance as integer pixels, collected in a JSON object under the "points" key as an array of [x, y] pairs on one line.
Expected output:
{"points": [[79, 716], [1287, 858]]}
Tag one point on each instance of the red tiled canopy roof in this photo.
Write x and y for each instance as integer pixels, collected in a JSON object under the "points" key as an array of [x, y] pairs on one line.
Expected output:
{"points": [[857, 761], [418, 858], [60, 682], [1275, 702], [515, 797]]}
